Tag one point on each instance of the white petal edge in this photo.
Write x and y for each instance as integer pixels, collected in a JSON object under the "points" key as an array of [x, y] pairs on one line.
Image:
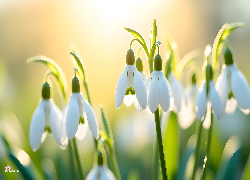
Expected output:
{"points": [[72, 117], [222, 88], [178, 92], [37, 127], [215, 101], [140, 88], [55, 122], [93, 125], [121, 88], [163, 93], [201, 103], [240, 89], [153, 101], [64, 137]]}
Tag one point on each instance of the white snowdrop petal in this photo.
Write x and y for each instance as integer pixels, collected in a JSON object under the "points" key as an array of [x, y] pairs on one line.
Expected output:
{"points": [[207, 121], [153, 101], [222, 88], [64, 137], [240, 89], [178, 92], [144, 76], [129, 99], [201, 103], [121, 88], [55, 122], [37, 127], [82, 130], [215, 101], [72, 118], [148, 81], [163, 93], [91, 118], [101, 173], [186, 116], [140, 89], [171, 95], [231, 106]]}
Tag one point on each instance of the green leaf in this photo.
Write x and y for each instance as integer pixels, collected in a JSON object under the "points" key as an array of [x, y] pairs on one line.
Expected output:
{"points": [[246, 172], [139, 38], [171, 146], [183, 162], [223, 33], [55, 69], [106, 125], [26, 173], [153, 36], [189, 57], [78, 64], [229, 165]]}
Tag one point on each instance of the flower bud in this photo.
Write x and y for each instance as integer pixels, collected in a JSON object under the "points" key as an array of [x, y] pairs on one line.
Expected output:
{"points": [[75, 85], [130, 57], [139, 64], [228, 57], [158, 63], [46, 91]]}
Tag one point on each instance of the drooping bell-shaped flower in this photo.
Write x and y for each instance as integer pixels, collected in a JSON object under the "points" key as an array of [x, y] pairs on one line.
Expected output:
{"points": [[160, 91], [207, 92], [46, 119], [100, 170], [130, 83], [77, 116], [187, 113], [232, 81]]}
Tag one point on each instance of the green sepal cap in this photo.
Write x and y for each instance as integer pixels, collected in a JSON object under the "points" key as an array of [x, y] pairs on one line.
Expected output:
{"points": [[228, 57], [100, 157], [75, 85], [130, 57], [209, 76], [193, 79], [158, 63], [139, 65], [209, 72], [46, 91]]}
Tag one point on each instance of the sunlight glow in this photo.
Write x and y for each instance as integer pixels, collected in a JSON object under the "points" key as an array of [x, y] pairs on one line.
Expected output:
{"points": [[23, 157]]}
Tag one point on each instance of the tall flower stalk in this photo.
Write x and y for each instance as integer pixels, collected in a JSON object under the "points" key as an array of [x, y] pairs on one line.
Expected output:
{"points": [[150, 55]]}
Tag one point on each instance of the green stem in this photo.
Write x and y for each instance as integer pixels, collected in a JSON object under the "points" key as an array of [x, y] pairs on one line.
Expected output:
{"points": [[156, 162], [71, 156], [85, 84], [160, 146], [208, 147], [77, 159], [115, 165], [197, 149]]}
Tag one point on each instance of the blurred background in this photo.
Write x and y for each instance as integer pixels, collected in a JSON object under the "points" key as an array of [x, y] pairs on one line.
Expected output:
{"points": [[96, 29]]}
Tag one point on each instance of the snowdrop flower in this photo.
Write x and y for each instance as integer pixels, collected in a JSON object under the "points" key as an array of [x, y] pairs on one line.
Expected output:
{"points": [[187, 114], [100, 170], [207, 92], [232, 81], [130, 83], [46, 119], [178, 92], [77, 115], [160, 90], [130, 99]]}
